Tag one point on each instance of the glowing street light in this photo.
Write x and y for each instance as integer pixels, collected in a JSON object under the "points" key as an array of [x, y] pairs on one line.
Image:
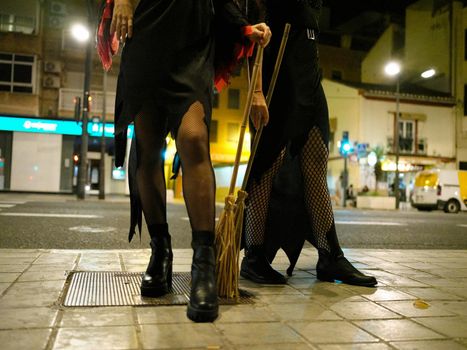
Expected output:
{"points": [[392, 69], [80, 32], [428, 73]]}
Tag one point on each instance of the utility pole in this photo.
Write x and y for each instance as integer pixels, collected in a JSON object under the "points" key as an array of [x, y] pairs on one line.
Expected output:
{"points": [[396, 143], [83, 166], [102, 162]]}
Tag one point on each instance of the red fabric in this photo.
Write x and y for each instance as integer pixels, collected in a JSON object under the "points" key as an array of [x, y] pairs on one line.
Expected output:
{"points": [[242, 50], [107, 43]]}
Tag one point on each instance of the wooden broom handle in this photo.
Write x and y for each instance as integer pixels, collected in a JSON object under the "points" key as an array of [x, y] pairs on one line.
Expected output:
{"points": [[272, 85], [246, 114]]}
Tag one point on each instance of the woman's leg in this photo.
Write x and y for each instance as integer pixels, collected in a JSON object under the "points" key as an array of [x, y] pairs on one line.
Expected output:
{"points": [[199, 192], [255, 265], [332, 264], [150, 140]]}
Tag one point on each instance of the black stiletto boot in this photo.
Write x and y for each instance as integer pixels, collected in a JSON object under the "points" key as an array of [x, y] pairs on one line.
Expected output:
{"points": [[203, 305], [256, 267], [333, 266], [157, 280]]}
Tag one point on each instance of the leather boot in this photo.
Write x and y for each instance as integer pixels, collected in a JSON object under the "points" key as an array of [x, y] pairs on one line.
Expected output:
{"points": [[256, 267], [203, 305], [157, 280], [332, 268]]}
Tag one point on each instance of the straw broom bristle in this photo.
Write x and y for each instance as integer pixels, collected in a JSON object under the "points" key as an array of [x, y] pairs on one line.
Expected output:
{"points": [[226, 251]]}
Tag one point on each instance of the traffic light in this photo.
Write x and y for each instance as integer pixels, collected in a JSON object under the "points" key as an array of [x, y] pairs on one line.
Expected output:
{"points": [[77, 114], [346, 146]]}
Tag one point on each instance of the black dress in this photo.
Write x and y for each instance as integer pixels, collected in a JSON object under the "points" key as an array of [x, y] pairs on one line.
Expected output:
{"points": [[298, 105], [171, 60]]}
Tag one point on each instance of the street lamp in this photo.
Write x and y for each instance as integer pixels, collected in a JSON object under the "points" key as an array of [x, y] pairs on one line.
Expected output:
{"points": [[393, 69], [82, 34]]}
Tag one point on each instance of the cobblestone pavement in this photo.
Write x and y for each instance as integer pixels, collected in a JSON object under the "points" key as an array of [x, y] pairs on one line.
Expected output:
{"points": [[420, 303]]}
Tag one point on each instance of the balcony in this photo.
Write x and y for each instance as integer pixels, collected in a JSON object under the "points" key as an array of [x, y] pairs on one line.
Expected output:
{"points": [[407, 145]]}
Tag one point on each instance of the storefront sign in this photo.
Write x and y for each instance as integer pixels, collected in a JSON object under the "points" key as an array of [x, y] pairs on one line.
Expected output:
{"points": [[50, 126]]}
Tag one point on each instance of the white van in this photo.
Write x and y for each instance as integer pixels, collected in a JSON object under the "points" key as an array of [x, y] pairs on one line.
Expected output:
{"points": [[440, 189]]}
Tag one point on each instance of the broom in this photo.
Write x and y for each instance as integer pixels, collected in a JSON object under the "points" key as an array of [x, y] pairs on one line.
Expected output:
{"points": [[227, 244], [230, 226]]}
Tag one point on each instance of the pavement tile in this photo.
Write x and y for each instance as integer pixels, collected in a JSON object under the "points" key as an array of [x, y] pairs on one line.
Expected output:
{"points": [[394, 330], [121, 338], [459, 291], [283, 299], [431, 294], [455, 327], [30, 339], [259, 289], [56, 259], [303, 312], [428, 344], [258, 333], [420, 265], [21, 260], [32, 294], [408, 309], [32, 276], [331, 332], [449, 273], [245, 313], [4, 286], [355, 346], [135, 268], [8, 276], [442, 282], [395, 280], [457, 307], [162, 314], [291, 346], [97, 317], [13, 267], [61, 267], [32, 288], [387, 294], [366, 310], [27, 318], [331, 293], [180, 336]]}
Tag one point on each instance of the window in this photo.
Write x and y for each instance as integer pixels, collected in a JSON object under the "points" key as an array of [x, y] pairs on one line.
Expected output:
{"points": [[465, 44], [17, 73], [336, 75], [213, 131], [18, 24], [215, 101], [465, 100], [234, 99], [232, 132], [406, 135], [462, 165]]}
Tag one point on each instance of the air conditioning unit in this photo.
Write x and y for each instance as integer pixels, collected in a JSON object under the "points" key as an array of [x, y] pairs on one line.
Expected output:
{"points": [[56, 22], [58, 8], [51, 82], [52, 66]]}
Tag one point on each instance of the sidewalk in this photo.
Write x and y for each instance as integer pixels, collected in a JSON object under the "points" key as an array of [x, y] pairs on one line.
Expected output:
{"points": [[421, 303]]}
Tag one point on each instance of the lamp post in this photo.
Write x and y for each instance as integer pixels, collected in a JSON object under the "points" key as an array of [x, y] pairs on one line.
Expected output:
{"points": [[102, 162], [82, 34], [393, 69]]}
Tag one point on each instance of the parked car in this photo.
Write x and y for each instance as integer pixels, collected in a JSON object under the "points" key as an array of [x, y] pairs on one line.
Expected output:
{"points": [[440, 189]]}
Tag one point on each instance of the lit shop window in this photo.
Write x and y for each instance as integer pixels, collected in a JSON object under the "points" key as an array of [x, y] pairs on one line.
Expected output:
{"points": [[17, 73]]}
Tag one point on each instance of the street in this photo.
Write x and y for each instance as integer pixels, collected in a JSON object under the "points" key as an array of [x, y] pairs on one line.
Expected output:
{"points": [[62, 222]]}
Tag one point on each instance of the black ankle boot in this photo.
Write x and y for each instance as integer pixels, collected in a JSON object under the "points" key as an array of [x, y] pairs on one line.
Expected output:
{"points": [[256, 267], [203, 305], [157, 280], [335, 267]]}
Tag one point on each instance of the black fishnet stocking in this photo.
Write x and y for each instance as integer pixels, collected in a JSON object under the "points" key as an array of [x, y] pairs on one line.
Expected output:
{"points": [[150, 142], [313, 164], [198, 176], [259, 194]]}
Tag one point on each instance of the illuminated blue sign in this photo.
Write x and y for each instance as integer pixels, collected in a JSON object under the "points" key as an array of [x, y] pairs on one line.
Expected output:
{"points": [[62, 127]]}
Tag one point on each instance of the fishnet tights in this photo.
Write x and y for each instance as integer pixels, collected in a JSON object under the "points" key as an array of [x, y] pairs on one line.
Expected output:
{"points": [[313, 164], [259, 193], [198, 176]]}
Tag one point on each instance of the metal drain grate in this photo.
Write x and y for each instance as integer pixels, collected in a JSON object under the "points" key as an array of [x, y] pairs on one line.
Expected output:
{"points": [[114, 288]]}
